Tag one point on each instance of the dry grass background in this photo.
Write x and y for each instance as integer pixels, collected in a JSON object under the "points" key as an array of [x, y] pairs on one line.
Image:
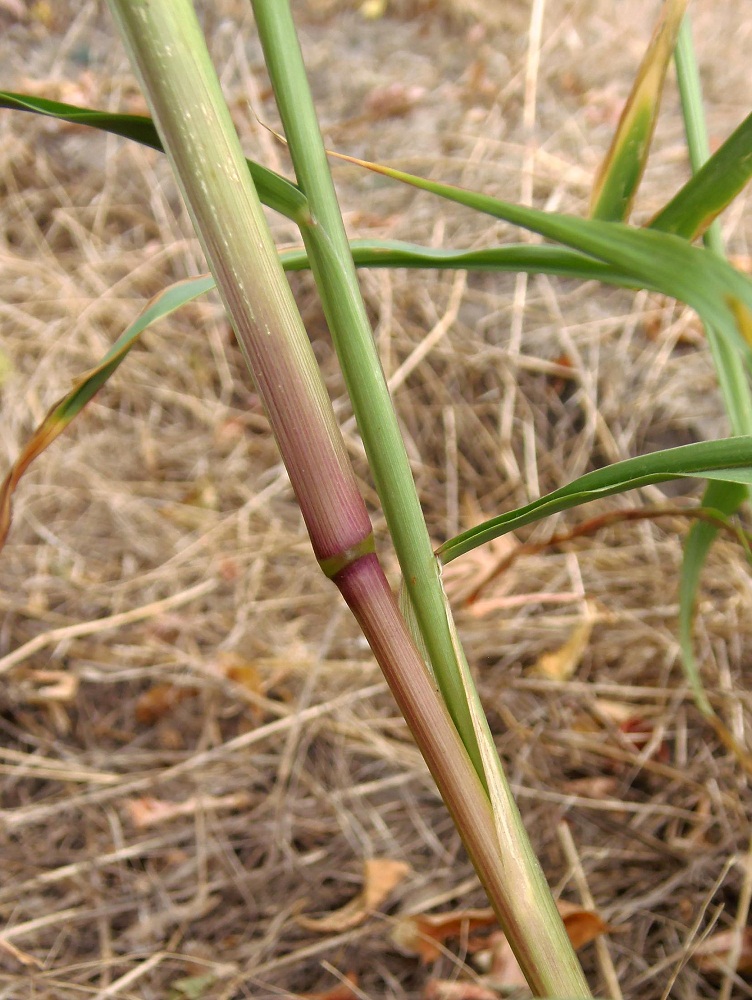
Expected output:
{"points": [[165, 634]]}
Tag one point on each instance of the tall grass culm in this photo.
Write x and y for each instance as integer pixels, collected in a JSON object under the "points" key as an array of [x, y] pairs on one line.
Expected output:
{"points": [[412, 634]]}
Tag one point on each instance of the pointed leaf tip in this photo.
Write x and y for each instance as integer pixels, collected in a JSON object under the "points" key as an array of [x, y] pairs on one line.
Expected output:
{"points": [[620, 173]]}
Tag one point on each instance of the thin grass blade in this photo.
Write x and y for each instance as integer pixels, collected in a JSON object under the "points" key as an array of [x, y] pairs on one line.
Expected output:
{"points": [[725, 498], [729, 459], [87, 386], [620, 173], [712, 189], [274, 190], [718, 292], [535, 258], [702, 198]]}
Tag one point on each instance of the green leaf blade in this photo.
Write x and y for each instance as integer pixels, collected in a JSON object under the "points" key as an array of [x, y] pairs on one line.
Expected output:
{"points": [[699, 460], [67, 408], [274, 190], [621, 171], [712, 189]]}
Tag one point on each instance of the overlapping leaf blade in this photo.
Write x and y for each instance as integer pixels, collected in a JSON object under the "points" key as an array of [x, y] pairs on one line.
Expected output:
{"points": [[716, 290]]}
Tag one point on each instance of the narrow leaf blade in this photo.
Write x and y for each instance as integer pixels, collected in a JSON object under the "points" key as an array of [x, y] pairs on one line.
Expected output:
{"points": [[620, 173], [85, 388], [653, 259], [531, 257], [273, 189], [696, 460], [712, 189]]}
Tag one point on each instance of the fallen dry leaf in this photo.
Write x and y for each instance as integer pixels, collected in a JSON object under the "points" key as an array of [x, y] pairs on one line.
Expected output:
{"points": [[380, 877], [240, 670], [148, 811], [561, 664], [160, 700], [582, 926], [85, 90], [714, 954], [499, 963], [423, 934]]}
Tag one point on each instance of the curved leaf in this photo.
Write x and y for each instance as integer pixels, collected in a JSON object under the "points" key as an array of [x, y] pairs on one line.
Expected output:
{"points": [[699, 460], [86, 387], [621, 171], [711, 189], [531, 257], [720, 294], [273, 189]]}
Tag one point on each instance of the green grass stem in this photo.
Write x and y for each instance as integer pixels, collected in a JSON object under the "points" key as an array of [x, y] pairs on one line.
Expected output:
{"points": [[334, 272]]}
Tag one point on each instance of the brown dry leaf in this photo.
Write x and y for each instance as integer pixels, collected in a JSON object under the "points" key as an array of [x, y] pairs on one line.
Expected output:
{"points": [[714, 953], [582, 926], [380, 877], [240, 670], [342, 991], [450, 989], [501, 966], [423, 934], [564, 661], [148, 811], [85, 90], [159, 701]]}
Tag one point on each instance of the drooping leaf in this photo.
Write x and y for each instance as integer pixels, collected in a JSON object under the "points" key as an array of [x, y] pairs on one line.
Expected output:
{"points": [[86, 387], [621, 171], [712, 189], [692, 460], [274, 190], [694, 275], [380, 877]]}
